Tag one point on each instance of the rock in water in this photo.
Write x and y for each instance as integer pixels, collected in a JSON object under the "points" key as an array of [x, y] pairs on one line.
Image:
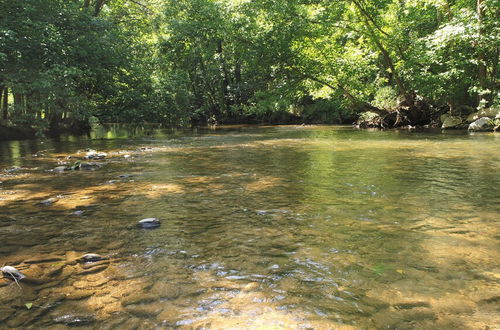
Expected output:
{"points": [[74, 320], [77, 212], [60, 169], [49, 201], [91, 257], [92, 154], [89, 166], [482, 124], [11, 272], [149, 223], [451, 122]]}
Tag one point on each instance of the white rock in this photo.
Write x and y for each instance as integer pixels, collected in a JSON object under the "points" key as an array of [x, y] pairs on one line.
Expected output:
{"points": [[91, 257], [149, 223], [482, 124], [12, 272]]}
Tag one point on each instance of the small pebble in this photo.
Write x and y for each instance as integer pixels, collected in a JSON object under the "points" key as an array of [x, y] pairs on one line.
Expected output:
{"points": [[49, 201], [78, 212]]}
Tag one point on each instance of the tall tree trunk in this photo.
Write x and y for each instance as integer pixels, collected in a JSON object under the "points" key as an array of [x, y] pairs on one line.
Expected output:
{"points": [[18, 102], [237, 81], [5, 103], [224, 76], [2, 91], [98, 6], [481, 58], [371, 26]]}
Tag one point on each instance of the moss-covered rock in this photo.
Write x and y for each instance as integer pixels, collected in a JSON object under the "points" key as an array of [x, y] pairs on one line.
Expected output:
{"points": [[451, 122]]}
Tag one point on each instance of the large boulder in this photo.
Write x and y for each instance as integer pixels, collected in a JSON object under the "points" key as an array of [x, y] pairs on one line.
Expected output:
{"points": [[473, 117], [482, 124], [443, 117], [488, 112], [451, 122]]}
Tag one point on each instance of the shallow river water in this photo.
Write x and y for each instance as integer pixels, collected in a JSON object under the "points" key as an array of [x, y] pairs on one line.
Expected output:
{"points": [[261, 227]]}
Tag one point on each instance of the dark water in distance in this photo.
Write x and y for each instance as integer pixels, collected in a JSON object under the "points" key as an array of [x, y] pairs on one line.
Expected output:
{"points": [[262, 227]]}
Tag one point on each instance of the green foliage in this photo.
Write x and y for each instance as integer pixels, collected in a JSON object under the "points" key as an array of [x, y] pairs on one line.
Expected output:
{"points": [[192, 61], [386, 97]]}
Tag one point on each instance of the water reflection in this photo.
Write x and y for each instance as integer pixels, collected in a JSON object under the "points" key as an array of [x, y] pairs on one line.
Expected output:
{"points": [[280, 227]]}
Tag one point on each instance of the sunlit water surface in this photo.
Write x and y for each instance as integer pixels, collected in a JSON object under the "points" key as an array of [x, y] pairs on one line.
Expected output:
{"points": [[270, 227]]}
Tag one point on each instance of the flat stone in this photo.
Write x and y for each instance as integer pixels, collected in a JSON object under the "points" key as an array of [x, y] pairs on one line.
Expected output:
{"points": [[93, 270], [77, 213], [144, 311], [135, 299], [91, 257], [42, 259], [79, 294], [74, 319], [148, 223], [45, 284], [406, 319], [90, 284], [49, 201], [94, 264], [410, 305]]}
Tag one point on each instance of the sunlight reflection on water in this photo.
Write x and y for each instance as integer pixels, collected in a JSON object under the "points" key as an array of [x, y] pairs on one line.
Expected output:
{"points": [[274, 227]]}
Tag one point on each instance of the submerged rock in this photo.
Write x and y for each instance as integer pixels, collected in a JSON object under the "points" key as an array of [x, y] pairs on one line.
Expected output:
{"points": [[44, 259], [49, 201], [12, 273], [92, 270], [139, 298], [91, 257], [149, 223], [482, 124], [61, 169], [74, 320]]}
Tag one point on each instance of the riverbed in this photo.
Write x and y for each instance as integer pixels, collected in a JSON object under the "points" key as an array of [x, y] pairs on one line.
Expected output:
{"points": [[284, 227]]}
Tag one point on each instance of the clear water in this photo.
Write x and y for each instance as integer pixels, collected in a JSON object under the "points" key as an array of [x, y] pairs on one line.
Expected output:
{"points": [[262, 227]]}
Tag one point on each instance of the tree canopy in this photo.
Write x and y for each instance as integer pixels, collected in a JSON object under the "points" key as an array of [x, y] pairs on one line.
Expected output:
{"points": [[180, 62]]}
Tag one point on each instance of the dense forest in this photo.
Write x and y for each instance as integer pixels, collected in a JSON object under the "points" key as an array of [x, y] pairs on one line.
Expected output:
{"points": [[65, 63]]}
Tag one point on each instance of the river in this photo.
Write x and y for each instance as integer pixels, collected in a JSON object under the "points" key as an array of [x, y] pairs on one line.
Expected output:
{"points": [[285, 227]]}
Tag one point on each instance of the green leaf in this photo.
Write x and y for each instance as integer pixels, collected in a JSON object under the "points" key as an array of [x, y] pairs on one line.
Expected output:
{"points": [[379, 269], [28, 305]]}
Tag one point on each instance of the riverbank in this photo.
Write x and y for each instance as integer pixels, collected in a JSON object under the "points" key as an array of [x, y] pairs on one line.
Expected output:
{"points": [[484, 120], [16, 133]]}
